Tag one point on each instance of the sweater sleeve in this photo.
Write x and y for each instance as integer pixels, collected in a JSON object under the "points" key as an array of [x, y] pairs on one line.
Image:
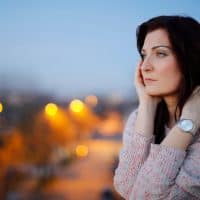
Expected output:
{"points": [[131, 157], [169, 173]]}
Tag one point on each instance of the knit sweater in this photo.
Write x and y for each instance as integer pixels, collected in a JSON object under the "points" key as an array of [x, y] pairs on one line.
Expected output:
{"points": [[149, 171]]}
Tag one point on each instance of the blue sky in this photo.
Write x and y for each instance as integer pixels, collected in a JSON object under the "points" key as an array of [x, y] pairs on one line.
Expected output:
{"points": [[76, 47]]}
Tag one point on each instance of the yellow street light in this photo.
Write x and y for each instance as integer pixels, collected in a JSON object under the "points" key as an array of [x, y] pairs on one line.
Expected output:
{"points": [[51, 109], [76, 105], [1, 107]]}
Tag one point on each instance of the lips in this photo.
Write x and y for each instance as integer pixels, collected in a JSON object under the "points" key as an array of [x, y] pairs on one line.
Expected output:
{"points": [[149, 79]]}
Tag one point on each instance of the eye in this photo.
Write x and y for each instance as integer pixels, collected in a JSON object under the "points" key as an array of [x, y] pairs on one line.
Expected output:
{"points": [[161, 54]]}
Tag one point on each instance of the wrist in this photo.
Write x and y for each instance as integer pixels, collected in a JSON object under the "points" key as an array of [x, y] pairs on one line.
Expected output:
{"points": [[149, 107], [144, 123], [188, 126], [192, 116]]}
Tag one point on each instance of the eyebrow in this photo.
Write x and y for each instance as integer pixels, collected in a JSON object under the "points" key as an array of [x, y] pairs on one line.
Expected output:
{"points": [[155, 47]]}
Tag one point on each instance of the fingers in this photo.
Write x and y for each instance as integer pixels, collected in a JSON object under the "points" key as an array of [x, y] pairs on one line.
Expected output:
{"points": [[197, 89], [138, 74], [195, 94]]}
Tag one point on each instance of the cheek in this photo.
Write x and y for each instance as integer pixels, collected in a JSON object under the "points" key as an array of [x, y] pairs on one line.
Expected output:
{"points": [[169, 80], [170, 77]]}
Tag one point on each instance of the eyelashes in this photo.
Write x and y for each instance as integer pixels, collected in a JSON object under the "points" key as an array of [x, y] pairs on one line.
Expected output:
{"points": [[161, 54], [158, 54]]}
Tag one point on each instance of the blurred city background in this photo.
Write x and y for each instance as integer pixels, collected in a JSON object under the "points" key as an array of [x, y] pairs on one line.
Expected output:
{"points": [[66, 90]]}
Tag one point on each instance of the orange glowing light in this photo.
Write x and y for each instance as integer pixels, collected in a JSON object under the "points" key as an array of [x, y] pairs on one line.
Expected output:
{"points": [[81, 150], [91, 100], [113, 124], [1, 107], [51, 109], [76, 106]]}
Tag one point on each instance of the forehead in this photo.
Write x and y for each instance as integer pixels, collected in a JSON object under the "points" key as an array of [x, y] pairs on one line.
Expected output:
{"points": [[157, 37]]}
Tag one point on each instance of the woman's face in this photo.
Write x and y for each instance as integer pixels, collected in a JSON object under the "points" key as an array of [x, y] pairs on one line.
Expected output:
{"points": [[159, 64]]}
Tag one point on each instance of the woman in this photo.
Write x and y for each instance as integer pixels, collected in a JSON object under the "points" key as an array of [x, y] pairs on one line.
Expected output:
{"points": [[160, 158]]}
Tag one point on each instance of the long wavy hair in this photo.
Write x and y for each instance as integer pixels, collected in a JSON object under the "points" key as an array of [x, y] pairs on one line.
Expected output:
{"points": [[184, 36]]}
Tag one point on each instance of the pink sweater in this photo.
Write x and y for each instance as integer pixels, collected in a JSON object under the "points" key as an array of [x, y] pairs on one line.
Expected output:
{"points": [[153, 172]]}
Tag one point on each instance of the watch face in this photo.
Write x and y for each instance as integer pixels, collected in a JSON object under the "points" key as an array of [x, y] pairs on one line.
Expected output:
{"points": [[186, 125]]}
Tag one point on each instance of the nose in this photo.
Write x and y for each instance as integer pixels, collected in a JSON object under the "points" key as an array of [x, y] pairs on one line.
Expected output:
{"points": [[146, 64]]}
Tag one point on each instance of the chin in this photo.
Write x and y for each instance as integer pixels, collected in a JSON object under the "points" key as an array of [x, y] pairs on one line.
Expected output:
{"points": [[153, 91], [158, 92]]}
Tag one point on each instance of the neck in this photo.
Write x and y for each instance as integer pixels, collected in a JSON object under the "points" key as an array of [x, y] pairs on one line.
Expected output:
{"points": [[171, 102]]}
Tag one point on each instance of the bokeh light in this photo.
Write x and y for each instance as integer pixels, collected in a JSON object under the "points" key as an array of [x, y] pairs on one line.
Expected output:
{"points": [[76, 105], [51, 109], [81, 150], [1, 107], [91, 100]]}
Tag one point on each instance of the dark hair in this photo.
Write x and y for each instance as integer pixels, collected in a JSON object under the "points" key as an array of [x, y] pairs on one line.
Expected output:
{"points": [[184, 36]]}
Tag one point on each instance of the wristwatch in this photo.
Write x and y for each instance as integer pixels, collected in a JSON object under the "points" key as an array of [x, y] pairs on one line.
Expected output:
{"points": [[188, 126]]}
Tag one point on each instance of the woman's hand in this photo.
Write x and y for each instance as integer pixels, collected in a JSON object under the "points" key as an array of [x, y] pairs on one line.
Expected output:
{"points": [[191, 109], [144, 98], [144, 123]]}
